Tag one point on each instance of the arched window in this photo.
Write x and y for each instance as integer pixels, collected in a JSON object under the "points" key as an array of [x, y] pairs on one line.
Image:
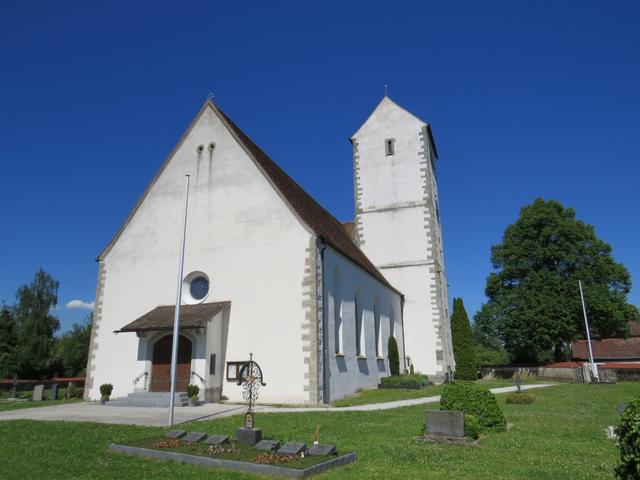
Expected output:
{"points": [[392, 323], [376, 326], [359, 333], [337, 312]]}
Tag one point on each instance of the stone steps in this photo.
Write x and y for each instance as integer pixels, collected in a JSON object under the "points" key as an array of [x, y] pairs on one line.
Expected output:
{"points": [[149, 399]]}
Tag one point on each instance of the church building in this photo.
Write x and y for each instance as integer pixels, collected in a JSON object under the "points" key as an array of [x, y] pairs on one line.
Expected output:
{"points": [[269, 272]]}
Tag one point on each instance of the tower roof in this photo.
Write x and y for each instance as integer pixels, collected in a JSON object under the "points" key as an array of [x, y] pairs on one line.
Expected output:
{"points": [[387, 103]]}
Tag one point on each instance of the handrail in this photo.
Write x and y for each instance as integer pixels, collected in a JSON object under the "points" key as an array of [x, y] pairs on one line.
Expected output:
{"points": [[194, 374], [144, 374]]}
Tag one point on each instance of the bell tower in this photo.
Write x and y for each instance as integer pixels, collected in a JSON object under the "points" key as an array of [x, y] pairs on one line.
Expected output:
{"points": [[397, 225]]}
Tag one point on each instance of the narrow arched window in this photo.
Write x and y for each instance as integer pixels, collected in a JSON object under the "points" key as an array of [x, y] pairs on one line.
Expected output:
{"points": [[358, 318], [392, 323], [376, 327], [337, 313]]}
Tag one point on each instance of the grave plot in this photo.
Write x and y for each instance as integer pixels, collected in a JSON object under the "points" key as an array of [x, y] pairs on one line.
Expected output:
{"points": [[268, 457]]}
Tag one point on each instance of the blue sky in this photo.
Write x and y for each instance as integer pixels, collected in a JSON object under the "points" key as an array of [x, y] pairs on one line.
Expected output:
{"points": [[525, 98]]}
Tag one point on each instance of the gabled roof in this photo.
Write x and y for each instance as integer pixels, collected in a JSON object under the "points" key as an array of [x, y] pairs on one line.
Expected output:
{"points": [[310, 213], [191, 317], [308, 210], [387, 101], [607, 349]]}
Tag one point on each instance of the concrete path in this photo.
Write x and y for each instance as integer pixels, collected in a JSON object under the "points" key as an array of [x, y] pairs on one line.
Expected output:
{"points": [[94, 412]]}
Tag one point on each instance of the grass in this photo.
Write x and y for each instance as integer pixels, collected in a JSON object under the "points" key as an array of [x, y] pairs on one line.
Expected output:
{"points": [[381, 395], [27, 395], [560, 436]]}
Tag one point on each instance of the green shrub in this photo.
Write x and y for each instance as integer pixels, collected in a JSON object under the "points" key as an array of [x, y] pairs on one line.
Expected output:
{"points": [[628, 432], [520, 398], [72, 391], [192, 391], [105, 390], [471, 426], [479, 402], [394, 358], [405, 381]]}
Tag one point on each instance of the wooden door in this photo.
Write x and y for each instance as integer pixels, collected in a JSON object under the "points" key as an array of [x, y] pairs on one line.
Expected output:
{"points": [[161, 368]]}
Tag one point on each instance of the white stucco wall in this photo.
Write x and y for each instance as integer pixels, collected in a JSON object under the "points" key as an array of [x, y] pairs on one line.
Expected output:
{"points": [[345, 371], [241, 234], [395, 205]]}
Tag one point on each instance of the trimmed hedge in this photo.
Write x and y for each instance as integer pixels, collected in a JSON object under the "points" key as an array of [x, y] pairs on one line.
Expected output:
{"points": [[628, 442], [520, 398], [477, 401], [415, 381]]}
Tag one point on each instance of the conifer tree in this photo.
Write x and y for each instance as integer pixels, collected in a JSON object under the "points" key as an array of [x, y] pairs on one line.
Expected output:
{"points": [[463, 345], [394, 358]]}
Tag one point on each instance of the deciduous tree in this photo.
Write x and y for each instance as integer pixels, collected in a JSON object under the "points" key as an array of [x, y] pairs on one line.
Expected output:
{"points": [[533, 306]]}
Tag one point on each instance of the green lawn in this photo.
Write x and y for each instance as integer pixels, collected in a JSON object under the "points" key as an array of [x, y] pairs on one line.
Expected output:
{"points": [[382, 395], [27, 395], [560, 436], [4, 406]]}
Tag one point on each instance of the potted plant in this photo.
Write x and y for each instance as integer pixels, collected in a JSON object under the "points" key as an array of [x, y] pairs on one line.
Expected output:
{"points": [[192, 393], [105, 391]]}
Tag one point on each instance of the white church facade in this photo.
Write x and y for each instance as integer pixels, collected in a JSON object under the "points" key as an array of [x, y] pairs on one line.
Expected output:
{"points": [[268, 271]]}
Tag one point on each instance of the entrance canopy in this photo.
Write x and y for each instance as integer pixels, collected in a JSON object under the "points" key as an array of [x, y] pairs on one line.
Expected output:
{"points": [[161, 318]]}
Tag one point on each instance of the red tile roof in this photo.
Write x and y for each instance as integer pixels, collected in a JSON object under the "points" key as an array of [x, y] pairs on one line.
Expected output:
{"points": [[607, 349]]}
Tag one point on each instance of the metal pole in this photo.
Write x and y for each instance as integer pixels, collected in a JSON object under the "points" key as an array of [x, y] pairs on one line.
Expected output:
{"points": [[594, 368], [176, 319]]}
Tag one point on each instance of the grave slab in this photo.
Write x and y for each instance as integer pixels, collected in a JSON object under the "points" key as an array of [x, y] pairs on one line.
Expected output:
{"points": [[54, 391], [175, 433], [267, 445], [445, 422], [321, 449], [248, 436], [217, 439], [621, 407], [38, 392], [292, 448], [194, 437]]}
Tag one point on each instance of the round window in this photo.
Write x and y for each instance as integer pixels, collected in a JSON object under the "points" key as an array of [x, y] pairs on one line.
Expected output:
{"points": [[199, 287]]}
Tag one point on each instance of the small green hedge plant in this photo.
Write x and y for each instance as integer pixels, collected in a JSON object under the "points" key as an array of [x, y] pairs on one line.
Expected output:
{"points": [[193, 391], [479, 402], [105, 390], [472, 427], [520, 398], [628, 442], [415, 381]]}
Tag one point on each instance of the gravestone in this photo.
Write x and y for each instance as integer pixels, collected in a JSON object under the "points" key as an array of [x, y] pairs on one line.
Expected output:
{"points": [[267, 445], [322, 449], [217, 439], [174, 433], [445, 422], [248, 436], [194, 437], [38, 392], [621, 407], [54, 391], [292, 448], [14, 387]]}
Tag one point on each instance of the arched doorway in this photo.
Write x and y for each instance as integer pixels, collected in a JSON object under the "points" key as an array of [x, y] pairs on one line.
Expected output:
{"points": [[161, 367]]}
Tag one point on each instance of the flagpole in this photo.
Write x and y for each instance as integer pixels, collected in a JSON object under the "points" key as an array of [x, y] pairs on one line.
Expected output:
{"points": [[594, 368], [176, 318]]}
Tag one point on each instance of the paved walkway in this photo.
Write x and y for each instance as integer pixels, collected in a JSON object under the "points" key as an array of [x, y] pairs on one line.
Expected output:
{"points": [[94, 412]]}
